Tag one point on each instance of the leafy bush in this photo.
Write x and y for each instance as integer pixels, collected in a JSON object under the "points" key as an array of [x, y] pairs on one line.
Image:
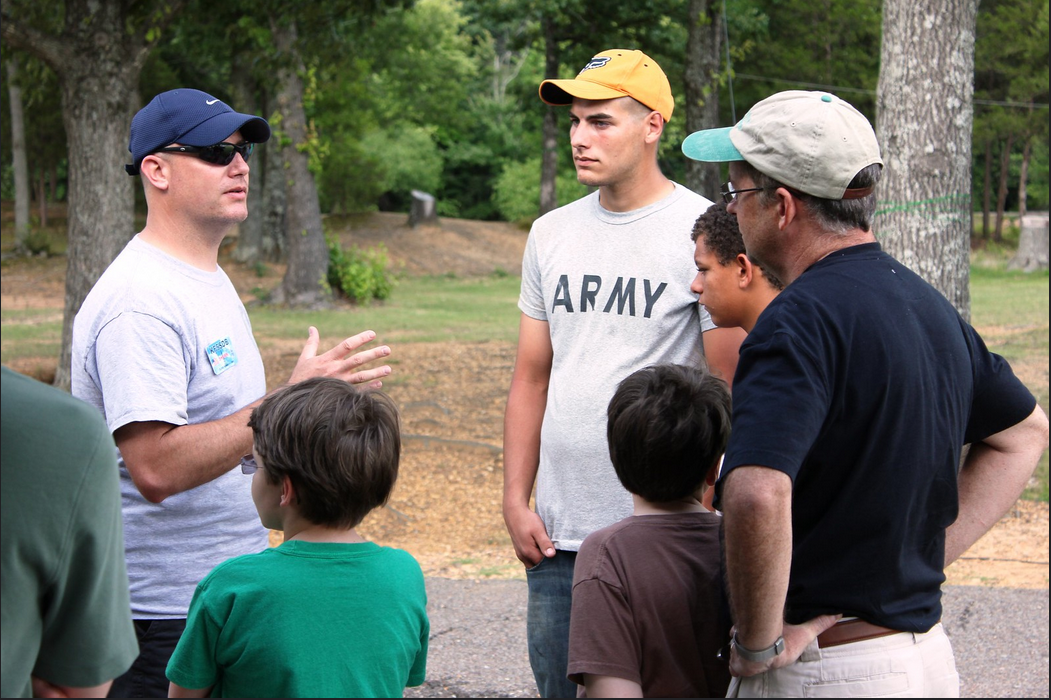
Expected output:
{"points": [[407, 157], [361, 275], [38, 243], [517, 192]]}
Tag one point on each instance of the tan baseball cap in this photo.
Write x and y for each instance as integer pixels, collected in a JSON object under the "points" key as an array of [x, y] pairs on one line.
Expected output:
{"points": [[813, 142], [611, 74]]}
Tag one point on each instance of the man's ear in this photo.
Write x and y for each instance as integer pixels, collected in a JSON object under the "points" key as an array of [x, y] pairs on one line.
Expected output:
{"points": [[787, 209], [654, 127], [288, 491], [744, 270], [156, 171]]}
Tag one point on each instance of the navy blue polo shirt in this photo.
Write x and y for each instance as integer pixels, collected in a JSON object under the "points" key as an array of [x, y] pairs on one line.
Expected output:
{"points": [[862, 383]]}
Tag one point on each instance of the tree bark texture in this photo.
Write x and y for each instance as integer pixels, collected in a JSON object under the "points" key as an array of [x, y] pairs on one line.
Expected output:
{"points": [[549, 155], [1032, 243], [275, 201], [97, 57], [701, 79], [305, 283], [18, 156], [987, 187], [250, 231], [924, 121], [1023, 176], [1001, 192]]}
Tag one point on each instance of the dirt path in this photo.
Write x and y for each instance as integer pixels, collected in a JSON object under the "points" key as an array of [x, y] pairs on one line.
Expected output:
{"points": [[446, 506]]}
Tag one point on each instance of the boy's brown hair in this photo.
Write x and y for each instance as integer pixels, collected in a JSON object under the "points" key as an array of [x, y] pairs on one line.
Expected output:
{"points": [[667, 427], [339, 446]]}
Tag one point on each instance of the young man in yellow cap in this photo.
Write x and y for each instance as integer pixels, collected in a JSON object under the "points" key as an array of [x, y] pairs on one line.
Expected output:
{"points": [[605, 292], [842, 489]]}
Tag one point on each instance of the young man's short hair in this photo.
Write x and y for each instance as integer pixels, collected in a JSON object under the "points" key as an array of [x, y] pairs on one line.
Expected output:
{"points": [[667, 427], [722, 236], [339, 446]]}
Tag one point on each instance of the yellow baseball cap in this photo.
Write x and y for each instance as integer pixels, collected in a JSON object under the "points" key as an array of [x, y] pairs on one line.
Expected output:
{"points": [[611, 74]]}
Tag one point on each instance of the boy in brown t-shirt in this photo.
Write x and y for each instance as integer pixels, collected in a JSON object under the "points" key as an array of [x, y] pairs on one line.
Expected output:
{"points": [[649, 608]]}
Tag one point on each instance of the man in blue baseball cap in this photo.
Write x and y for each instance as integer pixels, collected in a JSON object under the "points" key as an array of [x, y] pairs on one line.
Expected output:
{"points": [[843, 492], [164, 348]]}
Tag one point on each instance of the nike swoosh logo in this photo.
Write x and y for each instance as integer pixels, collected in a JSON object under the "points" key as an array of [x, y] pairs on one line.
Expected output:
{"points": [[210, 102]]}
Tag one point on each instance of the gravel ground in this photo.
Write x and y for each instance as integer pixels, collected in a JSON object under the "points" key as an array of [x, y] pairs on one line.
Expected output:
{"points": [[478, 648]]}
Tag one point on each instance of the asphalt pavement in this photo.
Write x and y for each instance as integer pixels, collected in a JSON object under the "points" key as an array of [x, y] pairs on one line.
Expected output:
{"points": [[478, 645]]}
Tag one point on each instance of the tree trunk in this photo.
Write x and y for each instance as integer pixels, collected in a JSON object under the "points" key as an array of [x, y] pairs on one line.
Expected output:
{"points": [[250, 231], [42, 198], [275, 201], [98, 58], [1001, 194], [96, 109], [1032, 243], [18, 156], [1023, 177], [549, 154], [987, 188], [305, 283], [701, 78], [924, 120]]}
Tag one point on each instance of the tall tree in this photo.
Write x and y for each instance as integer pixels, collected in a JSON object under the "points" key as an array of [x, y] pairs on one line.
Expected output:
{"points": [[97, 49], [305, 279], [702, 81], [549, 155], [924, 119], [1012, 47], [18, 155]]}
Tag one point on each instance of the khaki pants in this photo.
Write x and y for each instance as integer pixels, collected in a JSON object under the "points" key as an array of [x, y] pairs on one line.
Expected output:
{"points": [[904, 665]]}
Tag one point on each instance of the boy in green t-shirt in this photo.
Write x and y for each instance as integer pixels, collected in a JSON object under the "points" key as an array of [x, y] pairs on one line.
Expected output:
{"points": [[326, 614]]}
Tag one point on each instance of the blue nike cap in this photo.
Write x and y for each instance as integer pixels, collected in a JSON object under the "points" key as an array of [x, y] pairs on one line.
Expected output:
{"points": [[191, 118]]}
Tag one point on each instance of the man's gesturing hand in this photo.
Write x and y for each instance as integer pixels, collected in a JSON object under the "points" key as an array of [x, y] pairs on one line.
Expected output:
{"points": [[343, 361]]}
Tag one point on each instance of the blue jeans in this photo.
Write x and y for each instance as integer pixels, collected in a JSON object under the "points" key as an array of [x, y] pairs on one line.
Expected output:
{"points": [[547, 623]]}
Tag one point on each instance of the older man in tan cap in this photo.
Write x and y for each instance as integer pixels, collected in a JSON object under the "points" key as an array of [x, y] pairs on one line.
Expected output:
{"points": [[842, 490]]}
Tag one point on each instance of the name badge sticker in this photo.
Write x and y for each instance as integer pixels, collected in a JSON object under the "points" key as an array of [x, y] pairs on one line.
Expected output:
{"points": [[222, 356]]}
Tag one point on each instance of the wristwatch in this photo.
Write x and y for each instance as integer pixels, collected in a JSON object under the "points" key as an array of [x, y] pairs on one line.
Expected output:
{"points": [[762, 655]]}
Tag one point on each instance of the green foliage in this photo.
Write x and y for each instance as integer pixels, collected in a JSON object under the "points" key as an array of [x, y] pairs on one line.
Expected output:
{"points": [[441, 95], [517, 192], [798, 44], [407, 158], [1011, 92], [361, 275], [38, 242]]}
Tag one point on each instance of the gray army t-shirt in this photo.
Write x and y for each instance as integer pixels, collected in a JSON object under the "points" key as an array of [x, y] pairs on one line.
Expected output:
{"points": [[160, 340], [614, 288]]}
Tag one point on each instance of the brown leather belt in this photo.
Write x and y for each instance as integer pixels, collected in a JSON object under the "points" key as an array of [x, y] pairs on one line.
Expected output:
{"points": [[847, 631]]}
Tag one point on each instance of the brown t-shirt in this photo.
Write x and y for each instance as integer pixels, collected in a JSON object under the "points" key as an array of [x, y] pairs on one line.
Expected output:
{"points": [[649, 606]]}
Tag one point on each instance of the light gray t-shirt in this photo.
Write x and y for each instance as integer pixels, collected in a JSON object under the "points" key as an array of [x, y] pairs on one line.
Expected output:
{"points": [[614, 288], [160, 340]]}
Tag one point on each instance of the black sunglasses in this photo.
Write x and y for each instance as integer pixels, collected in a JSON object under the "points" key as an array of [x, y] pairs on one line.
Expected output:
{"points": [[218, 153]]}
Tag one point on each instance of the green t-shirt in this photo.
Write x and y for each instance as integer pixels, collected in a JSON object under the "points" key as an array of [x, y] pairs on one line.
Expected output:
{"points": [[307, 620], [66, 616]]}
